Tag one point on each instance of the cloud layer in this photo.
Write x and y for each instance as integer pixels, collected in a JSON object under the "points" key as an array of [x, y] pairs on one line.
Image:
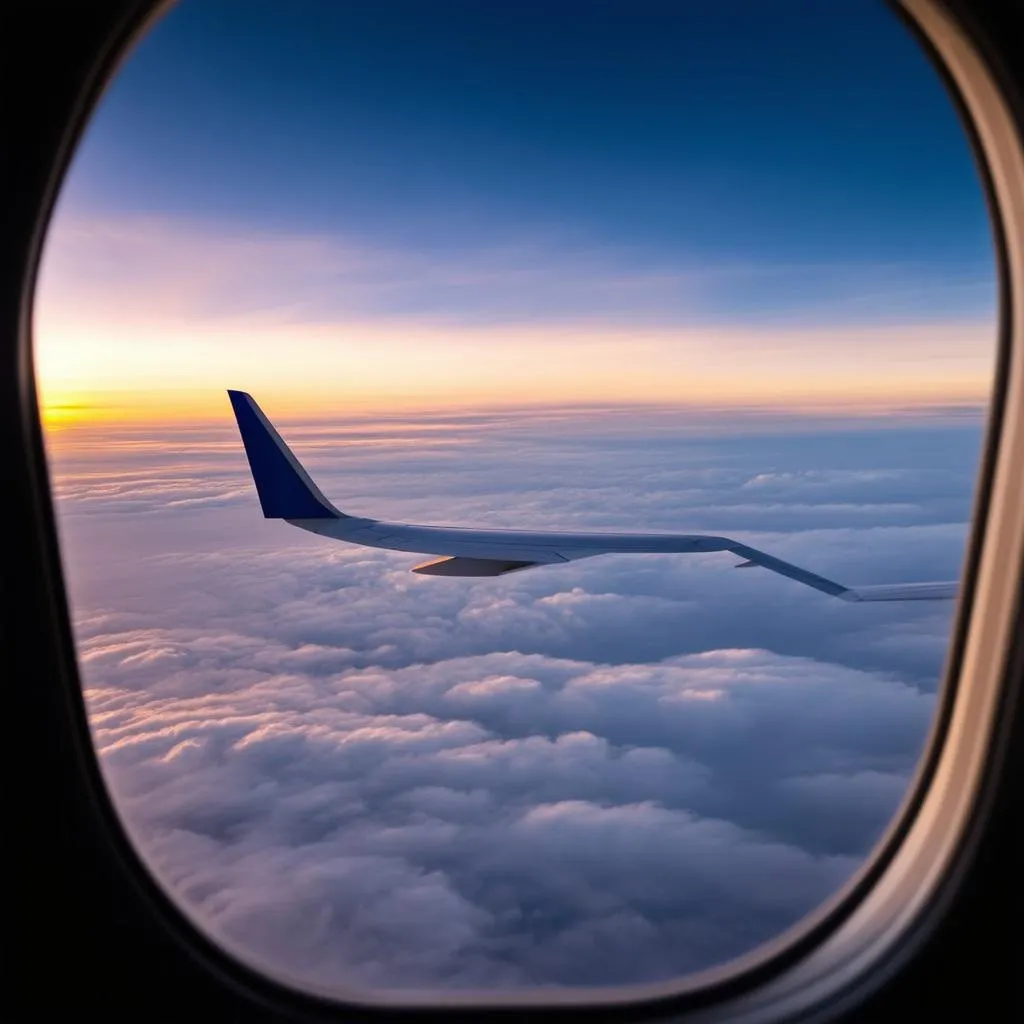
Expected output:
{"points": [[614, 771]]}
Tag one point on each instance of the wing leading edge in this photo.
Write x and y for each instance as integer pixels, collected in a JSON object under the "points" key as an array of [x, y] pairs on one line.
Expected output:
{"points": [[287, 492]]}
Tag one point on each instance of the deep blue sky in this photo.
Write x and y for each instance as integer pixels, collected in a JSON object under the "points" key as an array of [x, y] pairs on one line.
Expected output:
{"points": [[784, 132]]}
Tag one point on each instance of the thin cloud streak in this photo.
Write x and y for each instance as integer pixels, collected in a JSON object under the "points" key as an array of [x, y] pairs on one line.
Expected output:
{"points": [[146, 266]]}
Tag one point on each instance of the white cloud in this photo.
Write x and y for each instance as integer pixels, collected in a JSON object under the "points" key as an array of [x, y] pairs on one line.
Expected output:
{"points": [[408, 798]]}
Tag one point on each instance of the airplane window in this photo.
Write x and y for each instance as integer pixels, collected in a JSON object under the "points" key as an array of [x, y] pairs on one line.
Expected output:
{"points": [[416, 376]]}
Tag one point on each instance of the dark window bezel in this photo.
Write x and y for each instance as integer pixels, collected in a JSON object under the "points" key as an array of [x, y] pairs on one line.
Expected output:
{"points": [[41, 651]]}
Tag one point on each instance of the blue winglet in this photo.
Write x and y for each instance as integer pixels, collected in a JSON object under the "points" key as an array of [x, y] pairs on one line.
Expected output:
{"points": [[284, 487]]}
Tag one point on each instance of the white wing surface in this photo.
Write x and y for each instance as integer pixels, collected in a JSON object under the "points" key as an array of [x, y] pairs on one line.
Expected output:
{"points": [[286, 492]]}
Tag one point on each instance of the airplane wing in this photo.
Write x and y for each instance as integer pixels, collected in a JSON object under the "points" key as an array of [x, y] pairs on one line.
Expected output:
{"points": [[287, 492]]}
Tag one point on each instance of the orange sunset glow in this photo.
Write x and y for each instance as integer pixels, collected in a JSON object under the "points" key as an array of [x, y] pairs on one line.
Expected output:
{"points": [[97, 374], [132, 329]]}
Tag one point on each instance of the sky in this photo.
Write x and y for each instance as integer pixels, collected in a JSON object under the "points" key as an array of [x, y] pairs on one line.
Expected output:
{"points": [[595, 266], [422, 198]]}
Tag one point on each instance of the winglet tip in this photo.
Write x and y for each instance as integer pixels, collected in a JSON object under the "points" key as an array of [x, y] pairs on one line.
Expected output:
{"points": [[285, 489]]}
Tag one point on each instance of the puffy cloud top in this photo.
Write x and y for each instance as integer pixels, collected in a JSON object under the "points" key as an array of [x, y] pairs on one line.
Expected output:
{"points": [[612, 771]]}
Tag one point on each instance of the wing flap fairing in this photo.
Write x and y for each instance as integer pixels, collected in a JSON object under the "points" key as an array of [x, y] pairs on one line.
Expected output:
{"points": [[460, 566]]}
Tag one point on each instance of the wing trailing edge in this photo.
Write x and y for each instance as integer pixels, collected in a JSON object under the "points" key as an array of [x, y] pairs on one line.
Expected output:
{"points": [[905, 592]]}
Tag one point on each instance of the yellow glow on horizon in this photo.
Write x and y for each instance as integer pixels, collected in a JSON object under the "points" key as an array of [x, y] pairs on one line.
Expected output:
{"points": [[182, 371]]}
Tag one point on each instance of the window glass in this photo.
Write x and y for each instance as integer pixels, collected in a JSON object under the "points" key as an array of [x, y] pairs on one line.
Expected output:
{"points": [[718, 270]]}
